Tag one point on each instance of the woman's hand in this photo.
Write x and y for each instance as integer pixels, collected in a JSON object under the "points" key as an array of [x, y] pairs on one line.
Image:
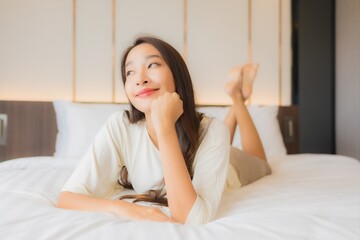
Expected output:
{"points": [[120, 208], [165, 110], [142, 213]]}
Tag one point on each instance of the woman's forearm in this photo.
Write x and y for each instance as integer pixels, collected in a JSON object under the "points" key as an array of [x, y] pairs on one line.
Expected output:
{"points": [[180, 191], [76, 201], [118, 208]]}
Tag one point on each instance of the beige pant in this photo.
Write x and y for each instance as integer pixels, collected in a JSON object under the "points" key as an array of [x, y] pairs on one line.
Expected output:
{"points": [[248, 168]]}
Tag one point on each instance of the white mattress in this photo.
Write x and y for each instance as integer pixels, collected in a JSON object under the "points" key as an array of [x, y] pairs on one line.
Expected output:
{"points": [[308, 196]]}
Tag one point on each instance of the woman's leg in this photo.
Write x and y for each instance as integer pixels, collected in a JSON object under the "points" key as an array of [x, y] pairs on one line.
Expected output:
{"points": [[235, 82], [230, 121], [239, 115]]}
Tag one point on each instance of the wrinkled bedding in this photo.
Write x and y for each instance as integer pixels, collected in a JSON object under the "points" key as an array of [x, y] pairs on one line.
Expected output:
{"points": [[308, 196]]}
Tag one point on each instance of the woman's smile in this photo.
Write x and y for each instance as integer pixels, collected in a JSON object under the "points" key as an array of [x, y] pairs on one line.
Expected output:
{"points": [[146, 92]]}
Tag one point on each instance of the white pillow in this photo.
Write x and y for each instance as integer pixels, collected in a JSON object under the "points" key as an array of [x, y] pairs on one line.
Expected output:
{"points": [[78, 123], [266, 123]]}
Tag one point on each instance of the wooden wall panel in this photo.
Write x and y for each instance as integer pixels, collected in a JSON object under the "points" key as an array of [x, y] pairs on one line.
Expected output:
{"points": [[37, 46], [289, 125], [94, 51], [217, 40], [35, 50], [31, 129], [137, 17], [286, 54], [265, 18]]}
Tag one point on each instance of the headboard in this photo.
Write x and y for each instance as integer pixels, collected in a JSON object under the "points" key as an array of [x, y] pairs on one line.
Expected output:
{"points": [[30, 129]]}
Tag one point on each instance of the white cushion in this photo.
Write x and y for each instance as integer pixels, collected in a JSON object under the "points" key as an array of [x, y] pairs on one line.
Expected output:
{"points": [[78, 124], [266, 123]]}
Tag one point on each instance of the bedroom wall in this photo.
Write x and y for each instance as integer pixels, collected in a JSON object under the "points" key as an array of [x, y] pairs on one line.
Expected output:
{"points": [[70, 49], [348, 78]]}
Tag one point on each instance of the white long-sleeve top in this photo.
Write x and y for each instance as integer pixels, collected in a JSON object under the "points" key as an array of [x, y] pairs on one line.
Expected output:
{"points": [[120, 143]]}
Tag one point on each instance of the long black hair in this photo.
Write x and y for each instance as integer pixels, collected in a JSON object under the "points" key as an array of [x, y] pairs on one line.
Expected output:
{"points": [[188, 124]]}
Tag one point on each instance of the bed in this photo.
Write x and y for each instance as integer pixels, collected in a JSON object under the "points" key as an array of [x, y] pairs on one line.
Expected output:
{"points": [[308, 196]]}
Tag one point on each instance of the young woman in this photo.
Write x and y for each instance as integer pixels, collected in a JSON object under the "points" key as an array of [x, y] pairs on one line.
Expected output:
{"points": [[162, 148]]}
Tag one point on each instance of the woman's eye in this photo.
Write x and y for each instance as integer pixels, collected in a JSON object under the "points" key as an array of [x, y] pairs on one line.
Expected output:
{"points": [[128, 73], [151, 65]]}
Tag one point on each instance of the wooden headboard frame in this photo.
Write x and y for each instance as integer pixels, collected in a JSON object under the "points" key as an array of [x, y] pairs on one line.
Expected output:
{"points": [[31, 129]]}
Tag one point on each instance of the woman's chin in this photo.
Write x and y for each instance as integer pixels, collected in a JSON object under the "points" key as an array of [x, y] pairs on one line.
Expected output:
{"points": [[143, 104], [144, 108]]}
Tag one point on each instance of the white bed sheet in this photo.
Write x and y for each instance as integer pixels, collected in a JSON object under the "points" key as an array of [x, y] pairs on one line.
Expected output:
{"points": [[308, 196]]}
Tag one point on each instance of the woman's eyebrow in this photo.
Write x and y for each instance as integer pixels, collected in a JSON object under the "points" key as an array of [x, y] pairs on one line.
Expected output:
{"points": [[153, 56], [147, 57]]}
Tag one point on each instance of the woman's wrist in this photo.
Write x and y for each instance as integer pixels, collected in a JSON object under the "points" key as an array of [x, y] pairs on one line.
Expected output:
{"points": [[164, 128], [122, 208], [118, 207]]}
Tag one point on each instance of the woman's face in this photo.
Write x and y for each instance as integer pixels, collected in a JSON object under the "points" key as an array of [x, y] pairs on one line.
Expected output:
{"points": [[147, 76]]}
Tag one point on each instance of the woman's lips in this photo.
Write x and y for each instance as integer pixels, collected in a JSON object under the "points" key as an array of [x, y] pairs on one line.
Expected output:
{"points": [[146, 92]]}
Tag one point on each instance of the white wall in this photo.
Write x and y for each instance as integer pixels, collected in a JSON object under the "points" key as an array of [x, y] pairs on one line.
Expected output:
{"points": [[37, 46], [348, 77]]}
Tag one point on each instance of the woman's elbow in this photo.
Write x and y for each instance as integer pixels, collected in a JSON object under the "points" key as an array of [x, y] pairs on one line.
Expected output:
{"points": [[62, 200]]}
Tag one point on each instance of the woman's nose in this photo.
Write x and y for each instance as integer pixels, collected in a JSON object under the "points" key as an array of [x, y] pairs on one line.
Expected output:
{"points": [[142, 78]]}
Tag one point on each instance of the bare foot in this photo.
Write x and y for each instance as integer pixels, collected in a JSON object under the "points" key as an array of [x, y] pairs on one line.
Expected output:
{"points": [[233, 86], [249, 73]]}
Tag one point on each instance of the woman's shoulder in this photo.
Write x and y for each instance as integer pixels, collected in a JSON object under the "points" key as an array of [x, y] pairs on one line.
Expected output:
{"points": [[120, 120], [118, 116]]}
